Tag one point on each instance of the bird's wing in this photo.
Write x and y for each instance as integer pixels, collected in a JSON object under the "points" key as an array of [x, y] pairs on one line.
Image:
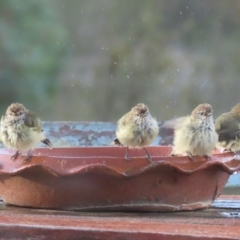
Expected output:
{"points": [[2, 120], [181, 122], [32, 121], [227, 127], [122, 121]]}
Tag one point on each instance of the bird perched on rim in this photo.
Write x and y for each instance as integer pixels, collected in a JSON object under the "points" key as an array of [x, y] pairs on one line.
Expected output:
{"points": [[21, 130], [136, 128], [195, 134], [227, 126]]}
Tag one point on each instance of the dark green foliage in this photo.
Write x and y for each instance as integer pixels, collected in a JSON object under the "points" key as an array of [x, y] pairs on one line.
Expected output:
{"points": [[94, 60], [32, 44]]}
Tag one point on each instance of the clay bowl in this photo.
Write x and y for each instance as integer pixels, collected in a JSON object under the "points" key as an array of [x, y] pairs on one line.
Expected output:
{"points": [[100, 179]]}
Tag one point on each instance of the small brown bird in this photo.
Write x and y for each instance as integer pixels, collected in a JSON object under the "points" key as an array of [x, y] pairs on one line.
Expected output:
{"points": [[195, 134], [227, 126], [21, 130], [136, 128]]}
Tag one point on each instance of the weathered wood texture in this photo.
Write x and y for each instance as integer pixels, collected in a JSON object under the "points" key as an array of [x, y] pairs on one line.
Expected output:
{"points": [[221, 221]]}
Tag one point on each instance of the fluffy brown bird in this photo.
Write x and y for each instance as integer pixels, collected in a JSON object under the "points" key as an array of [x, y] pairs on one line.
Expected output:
{"points": [[21, 130], [195, 134], [227, 126], [136, 128]]}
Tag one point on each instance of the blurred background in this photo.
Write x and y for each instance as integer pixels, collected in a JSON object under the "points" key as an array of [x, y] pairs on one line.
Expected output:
{"points": [[94, 60]]}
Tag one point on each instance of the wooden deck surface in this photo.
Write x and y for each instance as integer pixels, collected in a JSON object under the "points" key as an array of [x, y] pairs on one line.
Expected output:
{"points": [[221, 221]]}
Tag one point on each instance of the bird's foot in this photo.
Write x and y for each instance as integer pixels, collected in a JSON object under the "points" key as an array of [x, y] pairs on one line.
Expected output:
{"points": [[208, 157], [190, 156], [236, 152], [29, 155], [231, 151], [172, 154], [227, 150], [127, 155], [147, 155], [15, 155]]}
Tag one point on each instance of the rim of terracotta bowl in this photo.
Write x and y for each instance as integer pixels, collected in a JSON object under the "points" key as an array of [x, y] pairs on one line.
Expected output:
{"points": [[76, 160]]}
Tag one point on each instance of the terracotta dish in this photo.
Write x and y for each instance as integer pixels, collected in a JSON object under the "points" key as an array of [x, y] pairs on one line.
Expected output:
{"points": [[100, 179]]}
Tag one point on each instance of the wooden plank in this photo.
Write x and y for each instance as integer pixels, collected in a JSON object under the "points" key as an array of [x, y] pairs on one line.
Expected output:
{"points": [[227, 202], [213, 223]]}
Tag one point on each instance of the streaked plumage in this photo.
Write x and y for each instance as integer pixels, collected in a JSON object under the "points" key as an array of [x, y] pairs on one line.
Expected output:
{"points": [[227, 126], [195, 135], [136, 128], [21, 129]]}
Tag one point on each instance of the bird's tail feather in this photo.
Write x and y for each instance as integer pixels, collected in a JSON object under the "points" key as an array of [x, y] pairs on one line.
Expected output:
{"points": [[116, 142], [47, 142]]}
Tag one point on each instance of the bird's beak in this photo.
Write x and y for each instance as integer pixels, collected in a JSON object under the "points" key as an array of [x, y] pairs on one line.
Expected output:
{"points": [[209, 114], [143, 111]]}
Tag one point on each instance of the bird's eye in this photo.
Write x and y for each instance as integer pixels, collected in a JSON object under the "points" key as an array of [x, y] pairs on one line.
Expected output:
{"points": [[201, 113]]}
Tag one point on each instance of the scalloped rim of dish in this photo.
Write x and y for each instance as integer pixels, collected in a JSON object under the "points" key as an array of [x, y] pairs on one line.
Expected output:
{"points": [[230, 164]]}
